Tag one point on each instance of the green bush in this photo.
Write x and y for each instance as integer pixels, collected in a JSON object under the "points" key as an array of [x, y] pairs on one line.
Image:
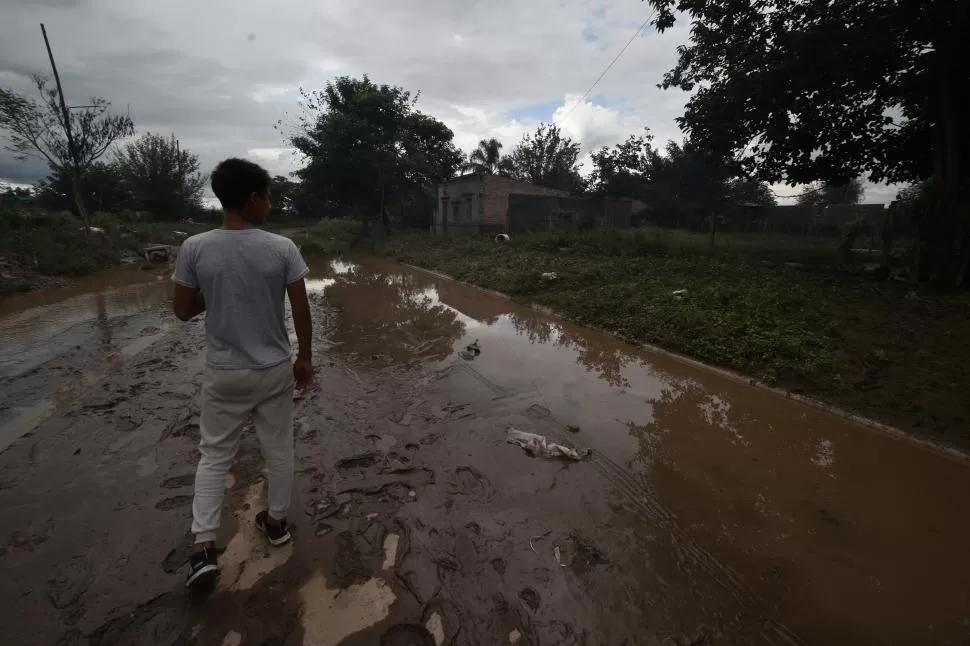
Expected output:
{"points": [[343, 230]]}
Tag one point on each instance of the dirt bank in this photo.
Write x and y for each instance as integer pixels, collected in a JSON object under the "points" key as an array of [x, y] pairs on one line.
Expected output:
{"points": [[709, 512]]}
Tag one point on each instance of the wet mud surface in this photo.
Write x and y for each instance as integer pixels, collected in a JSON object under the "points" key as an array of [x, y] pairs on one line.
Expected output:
{"points": [[709, 512]]}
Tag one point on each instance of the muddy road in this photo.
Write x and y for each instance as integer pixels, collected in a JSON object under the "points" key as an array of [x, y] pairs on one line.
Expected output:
{"points": [[708, 512]]}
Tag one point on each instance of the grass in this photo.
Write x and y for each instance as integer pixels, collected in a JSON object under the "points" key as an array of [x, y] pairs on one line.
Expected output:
{"points": [[35, 243], [813, 327]]}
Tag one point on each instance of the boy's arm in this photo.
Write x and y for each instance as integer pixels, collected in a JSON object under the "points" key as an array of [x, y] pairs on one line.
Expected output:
{"points": [[300, 306], [188, 302]]}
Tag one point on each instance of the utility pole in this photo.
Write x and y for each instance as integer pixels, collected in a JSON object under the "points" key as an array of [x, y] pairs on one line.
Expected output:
{"points": [[178, 161], [74, 171]]}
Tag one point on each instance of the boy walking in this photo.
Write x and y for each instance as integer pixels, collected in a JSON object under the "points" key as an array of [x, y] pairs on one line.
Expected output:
{"points": [[238, 276]]}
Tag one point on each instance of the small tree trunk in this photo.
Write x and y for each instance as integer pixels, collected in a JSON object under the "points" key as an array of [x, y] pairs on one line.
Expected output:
{"points": [[79, 198], [713, 231]]}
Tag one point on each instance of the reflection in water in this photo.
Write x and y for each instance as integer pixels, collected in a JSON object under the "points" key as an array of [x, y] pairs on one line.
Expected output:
{"points": [[388, 318]]}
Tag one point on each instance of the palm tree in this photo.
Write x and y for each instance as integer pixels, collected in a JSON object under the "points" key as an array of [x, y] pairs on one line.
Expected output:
{"points": [[486, 158]]}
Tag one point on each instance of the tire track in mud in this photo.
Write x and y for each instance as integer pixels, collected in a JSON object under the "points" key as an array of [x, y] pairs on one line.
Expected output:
{"points": [[644, 503], [689, 555]]}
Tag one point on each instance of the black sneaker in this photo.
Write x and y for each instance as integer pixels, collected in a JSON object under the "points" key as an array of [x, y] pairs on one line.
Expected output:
{"points": [[203, 568], [277, 533]]}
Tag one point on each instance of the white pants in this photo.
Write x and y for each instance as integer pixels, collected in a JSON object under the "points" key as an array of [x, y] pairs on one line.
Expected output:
{"points": [[229, 397]]}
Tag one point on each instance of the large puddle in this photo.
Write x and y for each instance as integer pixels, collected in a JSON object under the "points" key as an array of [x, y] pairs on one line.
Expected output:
{"points": [[848, 534]]}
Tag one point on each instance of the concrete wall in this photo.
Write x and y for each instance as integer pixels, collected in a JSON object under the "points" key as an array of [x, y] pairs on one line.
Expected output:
{"points": [[497, 191], [460, 205], [533, 213]]}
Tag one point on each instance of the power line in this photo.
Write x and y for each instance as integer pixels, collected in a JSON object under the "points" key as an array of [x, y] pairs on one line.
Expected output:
{"points": [[608, 67]]}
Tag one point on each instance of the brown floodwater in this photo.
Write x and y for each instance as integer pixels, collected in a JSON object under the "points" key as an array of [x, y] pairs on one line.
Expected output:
{"points": [[56, 342], [843, 533], [849, 534]]}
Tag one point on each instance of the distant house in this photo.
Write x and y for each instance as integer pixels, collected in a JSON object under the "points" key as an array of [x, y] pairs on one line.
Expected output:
{"points": [[481, 203]]}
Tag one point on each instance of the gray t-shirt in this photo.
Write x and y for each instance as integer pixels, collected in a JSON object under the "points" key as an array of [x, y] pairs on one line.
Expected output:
{"points": [[243, 276]]}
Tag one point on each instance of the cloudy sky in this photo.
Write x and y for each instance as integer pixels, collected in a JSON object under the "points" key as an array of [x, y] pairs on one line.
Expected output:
{"points": [[220, 74]]}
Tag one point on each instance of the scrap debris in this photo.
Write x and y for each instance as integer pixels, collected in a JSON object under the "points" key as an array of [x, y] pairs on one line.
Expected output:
{"points": [[539, 446]]}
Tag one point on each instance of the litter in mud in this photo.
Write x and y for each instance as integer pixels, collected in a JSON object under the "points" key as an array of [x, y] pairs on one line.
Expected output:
{"points": [[539, 446], [537, 538], [471, 351], [558, 554]]}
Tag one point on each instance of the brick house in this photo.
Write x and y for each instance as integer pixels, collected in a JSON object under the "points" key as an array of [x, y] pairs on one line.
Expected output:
{"points": [[479, 203]]}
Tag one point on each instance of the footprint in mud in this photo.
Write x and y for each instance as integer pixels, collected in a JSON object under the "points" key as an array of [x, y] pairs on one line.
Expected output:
{"points": [[430, 438], [361, 461], [179, 481], [499, 606], [472, 482], [499, 565], [530, 598], [173, 503], [538, 411], [178, 555], [411, 446]]}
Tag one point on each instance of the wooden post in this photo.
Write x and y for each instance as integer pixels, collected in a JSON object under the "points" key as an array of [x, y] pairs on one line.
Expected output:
{"points": [[74, 173]]}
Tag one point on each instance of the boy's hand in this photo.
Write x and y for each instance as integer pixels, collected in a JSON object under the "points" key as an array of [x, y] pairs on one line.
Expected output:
{"points": [[303, 373]]}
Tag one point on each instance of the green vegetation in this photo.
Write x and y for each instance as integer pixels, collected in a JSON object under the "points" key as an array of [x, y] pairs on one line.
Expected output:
{"points": [[35, 243], [828, 90], [881, 349]]}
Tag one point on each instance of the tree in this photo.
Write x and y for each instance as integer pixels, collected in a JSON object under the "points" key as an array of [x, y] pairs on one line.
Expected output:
{"points": [[850, 192], [749, 192], [625, 169], [546, 158], [160, 176], [284, 198], [689, 183], [101, 187], [366, 146], [827, 90], [16, 194], [486, 158], [40, 128]]}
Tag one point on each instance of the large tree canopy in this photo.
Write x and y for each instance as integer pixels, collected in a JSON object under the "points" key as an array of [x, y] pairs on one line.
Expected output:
{"points": [[546, 158], [367, 146], [681, 184], [828, 90], [160, 176]]}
